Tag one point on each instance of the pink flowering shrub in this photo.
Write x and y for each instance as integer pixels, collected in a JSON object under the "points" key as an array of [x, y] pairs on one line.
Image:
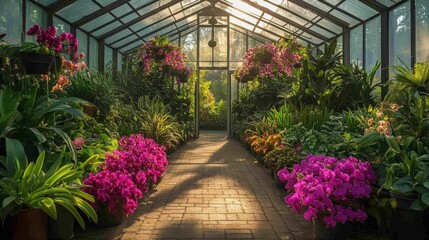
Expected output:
{"points": [[47, 38], [330, 188], [113, 188], [267, 61], [142, 158], [159, 53]]}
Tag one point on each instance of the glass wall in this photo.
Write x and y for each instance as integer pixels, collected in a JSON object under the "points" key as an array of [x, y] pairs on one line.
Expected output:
{"points": [[400, 35], [82, 37], [11, 20], [35, 15], [61, 25], [372, 43], [422, 30], [93, 53], [356, 45], [108, 57], [119, 59]]}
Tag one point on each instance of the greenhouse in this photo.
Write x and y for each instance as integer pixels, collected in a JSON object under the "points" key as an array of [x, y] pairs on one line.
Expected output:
{"points": [[214, 119]]}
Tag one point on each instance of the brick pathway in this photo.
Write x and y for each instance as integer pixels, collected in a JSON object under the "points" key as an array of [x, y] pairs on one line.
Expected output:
{"points": [[214, 189]]}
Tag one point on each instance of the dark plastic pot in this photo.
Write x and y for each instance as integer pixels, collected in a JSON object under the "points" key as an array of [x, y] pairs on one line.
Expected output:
{"points": [[39, 63], [340, 232], [90, 110], [108, 219], [30, 224], [62, 228], [407, 223]]}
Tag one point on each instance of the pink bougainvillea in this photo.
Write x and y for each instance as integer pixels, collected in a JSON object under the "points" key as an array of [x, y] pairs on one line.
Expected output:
{"points": [[140, 157], [329, 188], [127, 172], [268, 60], [158, 53], [113, 188]]}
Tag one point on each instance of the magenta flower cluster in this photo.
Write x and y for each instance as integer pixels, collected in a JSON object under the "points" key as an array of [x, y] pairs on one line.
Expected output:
{"points": [[65, 43], [268, 60], [113, 188], [329, 188], [142, 158], [165, 56], [139, 161]]}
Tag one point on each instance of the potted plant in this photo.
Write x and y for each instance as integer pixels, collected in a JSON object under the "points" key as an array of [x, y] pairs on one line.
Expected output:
{"points": [[280, 158], [40, 57], [32, 194], [331, 192], [115, 195]]}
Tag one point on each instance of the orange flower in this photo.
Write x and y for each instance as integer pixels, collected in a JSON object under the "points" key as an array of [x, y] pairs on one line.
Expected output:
{"points": [[63, 80], [45, 77], [387, 132], [394, 107], [370, 121], [57, 88]]}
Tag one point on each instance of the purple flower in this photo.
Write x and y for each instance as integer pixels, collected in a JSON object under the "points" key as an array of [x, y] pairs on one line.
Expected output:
{"points": [[326, 184]]}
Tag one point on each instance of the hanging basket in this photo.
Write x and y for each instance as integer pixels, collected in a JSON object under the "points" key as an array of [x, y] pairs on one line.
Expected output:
{"points": [[39, 63]]}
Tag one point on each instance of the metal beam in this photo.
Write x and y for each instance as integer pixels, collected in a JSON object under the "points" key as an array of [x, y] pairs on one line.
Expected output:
{"points": [[374, 5], [165, 26], [160, 20], [132, 22], [122, 16], [303, 18], [268, 23], [320, 13], [58, 5], [99, 12], [384, 52], [284, 19], [341, 10]]}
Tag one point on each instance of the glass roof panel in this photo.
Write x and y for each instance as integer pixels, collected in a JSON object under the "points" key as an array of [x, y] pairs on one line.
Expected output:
{"points": [[329, 25], [132, 46], [105, 2], [147, 8], [125, 41], [138, 3], [129, 17], [358, 9], [318, 4], [351, 21], [46, 2], [297, 9], [238, 22], [311, 38], [77, 10], [321, 31], [120, 11], [97, 22], [119, 35], [107, 29], [388, 3]]}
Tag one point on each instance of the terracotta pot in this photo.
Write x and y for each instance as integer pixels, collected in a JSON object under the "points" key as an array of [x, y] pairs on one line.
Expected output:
{"points": [[39, 63], [30, 224]]}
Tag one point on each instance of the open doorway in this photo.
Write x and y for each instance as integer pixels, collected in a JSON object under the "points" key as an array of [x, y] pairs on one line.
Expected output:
{"points": [[213, 100]]}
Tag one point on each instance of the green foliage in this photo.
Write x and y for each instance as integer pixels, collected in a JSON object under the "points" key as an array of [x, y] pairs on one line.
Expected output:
{"points": [[315, 84], [32, 188], [34, 121], [94, 87], [417, 80], [354, 86], [212, 111], [282, 157], [157, 123]]}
